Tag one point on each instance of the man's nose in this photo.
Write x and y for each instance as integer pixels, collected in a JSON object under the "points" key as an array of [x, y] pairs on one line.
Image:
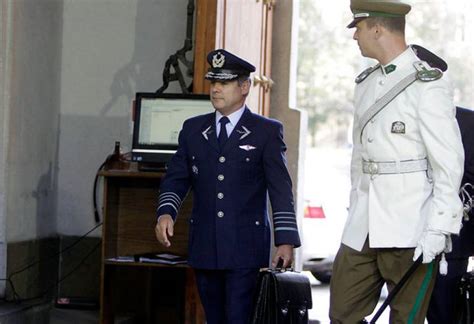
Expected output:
{"points": [[216, 88]]}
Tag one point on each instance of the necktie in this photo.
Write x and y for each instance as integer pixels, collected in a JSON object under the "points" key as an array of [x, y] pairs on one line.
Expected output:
{"points": [[223, 133]]}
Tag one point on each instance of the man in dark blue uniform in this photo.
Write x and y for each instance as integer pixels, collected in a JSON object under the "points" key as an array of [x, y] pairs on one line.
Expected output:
{"points": [[231, 159], [441, 309]]}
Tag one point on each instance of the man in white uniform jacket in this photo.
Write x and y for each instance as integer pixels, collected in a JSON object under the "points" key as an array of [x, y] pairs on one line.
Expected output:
{"points": [[406, 169]]}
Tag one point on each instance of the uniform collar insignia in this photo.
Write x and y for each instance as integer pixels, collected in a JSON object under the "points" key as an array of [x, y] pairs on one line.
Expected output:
{"points": [[244, 132], [389, 68], [218, 60], [206, 132]]}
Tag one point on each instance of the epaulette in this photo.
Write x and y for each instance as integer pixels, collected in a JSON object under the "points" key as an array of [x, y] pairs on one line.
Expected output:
{"points": [[361, 77], [426, 73]]}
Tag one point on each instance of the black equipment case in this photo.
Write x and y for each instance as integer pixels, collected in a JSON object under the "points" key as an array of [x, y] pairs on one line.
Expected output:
{"points": [[464, 305], [283, 297]]}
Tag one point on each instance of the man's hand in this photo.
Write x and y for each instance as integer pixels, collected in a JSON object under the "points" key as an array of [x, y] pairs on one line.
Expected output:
{"points": [[164, 228], [431, 244], [284, 252]]}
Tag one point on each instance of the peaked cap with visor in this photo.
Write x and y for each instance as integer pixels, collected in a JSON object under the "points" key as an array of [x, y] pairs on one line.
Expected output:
{"points": [[362, 9], [226, 66]]}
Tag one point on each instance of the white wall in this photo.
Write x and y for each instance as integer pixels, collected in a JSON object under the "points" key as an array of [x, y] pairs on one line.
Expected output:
{"points": [[68, 72], [30, 58], [30, 111], [4, 50], [111, 49]]}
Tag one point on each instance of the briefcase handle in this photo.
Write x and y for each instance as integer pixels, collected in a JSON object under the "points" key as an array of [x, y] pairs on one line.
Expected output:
{"points": [[279, 267]]}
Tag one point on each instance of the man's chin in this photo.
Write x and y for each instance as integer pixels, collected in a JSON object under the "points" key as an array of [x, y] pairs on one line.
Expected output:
{"points": [[217, 104]]}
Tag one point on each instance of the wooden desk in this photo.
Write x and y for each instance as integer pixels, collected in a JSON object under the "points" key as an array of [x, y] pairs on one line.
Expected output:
{"points": [[150, 293]]}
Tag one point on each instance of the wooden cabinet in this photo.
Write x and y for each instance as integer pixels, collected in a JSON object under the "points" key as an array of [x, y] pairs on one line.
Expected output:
{"points": [[243, 27], [148, 293]]}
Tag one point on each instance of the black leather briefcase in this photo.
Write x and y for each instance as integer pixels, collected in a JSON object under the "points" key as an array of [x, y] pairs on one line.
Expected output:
{"points": [[464, 303], [283, 297]]}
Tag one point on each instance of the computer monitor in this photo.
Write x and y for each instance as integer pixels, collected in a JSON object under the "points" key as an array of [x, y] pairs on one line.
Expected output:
{"points": [[158, 119]]}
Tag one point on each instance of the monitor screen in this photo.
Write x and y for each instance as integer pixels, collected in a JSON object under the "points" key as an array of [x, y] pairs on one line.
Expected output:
{"points": [[158, 120]]}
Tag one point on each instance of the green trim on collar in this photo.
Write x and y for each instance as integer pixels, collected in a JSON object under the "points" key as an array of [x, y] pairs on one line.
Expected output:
{"points": [[389, 68]]}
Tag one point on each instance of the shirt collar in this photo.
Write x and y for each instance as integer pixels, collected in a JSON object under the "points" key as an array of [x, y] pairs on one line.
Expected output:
{"points": [[401, 60], [233, 118]]}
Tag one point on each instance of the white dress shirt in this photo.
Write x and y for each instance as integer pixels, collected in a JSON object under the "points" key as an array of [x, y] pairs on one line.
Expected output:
{"points": [[233, 120]]}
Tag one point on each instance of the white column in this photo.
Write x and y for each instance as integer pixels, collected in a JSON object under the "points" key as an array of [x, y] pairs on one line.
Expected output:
{"points": [[5, 54]]}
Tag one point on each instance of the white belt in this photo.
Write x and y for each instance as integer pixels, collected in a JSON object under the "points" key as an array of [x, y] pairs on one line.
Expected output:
{"points": [[394, 167]]}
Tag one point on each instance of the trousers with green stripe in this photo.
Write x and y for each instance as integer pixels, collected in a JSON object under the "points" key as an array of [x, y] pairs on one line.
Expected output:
{"points": [[358, 278]]}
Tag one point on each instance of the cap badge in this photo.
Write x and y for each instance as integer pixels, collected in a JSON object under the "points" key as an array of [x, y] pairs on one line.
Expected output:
{"points": [[398, 127], [218, 60], [361, 15]]}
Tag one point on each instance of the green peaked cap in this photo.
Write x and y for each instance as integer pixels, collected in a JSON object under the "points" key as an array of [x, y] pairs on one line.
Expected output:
{"points": [[362, 9]]}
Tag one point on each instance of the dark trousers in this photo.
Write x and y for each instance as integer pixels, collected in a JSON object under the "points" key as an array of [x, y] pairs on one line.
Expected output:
{"points": [[441, 309], [227, 295]]}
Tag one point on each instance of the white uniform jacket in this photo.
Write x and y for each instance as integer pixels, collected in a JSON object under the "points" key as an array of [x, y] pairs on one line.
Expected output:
{"points": [[394, 209]]}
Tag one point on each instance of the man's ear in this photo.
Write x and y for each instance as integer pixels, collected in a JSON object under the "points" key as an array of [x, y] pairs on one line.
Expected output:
{"points": [[378, 31], [245, 87]]}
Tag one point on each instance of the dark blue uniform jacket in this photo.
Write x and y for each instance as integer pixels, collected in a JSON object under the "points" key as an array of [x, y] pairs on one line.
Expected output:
{"points": [[229, 226], [463, 245]]}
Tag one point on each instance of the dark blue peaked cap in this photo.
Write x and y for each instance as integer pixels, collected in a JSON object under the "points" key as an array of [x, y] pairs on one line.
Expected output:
{"points": [[226, 66]]}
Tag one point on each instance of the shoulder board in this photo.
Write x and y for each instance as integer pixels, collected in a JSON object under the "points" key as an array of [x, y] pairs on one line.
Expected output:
{"points": [[361, 77], [426, 73]]}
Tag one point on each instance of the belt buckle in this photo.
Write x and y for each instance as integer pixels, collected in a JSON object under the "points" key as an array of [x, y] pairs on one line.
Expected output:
{"points": [[373, 168]]}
